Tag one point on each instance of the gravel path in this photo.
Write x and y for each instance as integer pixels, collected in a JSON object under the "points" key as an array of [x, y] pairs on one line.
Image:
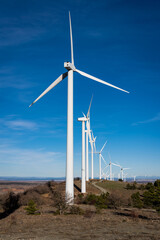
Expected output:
{"points": [[100, 188]]}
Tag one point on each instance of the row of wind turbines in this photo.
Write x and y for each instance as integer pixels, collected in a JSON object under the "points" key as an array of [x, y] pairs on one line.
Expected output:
{"points": [[88, 137], [69, 155]]}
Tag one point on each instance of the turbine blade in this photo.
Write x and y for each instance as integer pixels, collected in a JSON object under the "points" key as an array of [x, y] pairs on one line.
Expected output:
{"points": [[103, 159], [89, 133], [72, 59], [58, 80], [88, 113], [103, 146], [84, 115], [99, 80], [116, 165]]}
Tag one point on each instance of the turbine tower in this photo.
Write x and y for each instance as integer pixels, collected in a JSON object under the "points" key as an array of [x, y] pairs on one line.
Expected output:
{"points": [[100, 163], [122, 173], [88, 133], [70, 69], [83, 173], [93, 140]]}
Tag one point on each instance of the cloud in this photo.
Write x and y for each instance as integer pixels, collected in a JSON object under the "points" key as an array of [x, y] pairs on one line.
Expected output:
{"points": [[24, 28], [21, 124], [8, 78], [154, 119], [12, 155], [18, 124]]}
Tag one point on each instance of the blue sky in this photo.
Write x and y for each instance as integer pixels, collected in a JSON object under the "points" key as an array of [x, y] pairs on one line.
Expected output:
{"points": [[117, 41]]}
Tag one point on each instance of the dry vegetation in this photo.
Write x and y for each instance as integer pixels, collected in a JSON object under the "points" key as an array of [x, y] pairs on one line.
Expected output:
{"points": [[94, 215]]}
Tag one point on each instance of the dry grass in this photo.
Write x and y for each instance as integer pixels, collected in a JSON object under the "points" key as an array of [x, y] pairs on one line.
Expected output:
{"points": [[113, 224]]}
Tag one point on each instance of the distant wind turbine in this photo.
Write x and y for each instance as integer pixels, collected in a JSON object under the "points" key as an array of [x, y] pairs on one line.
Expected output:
{"points": [[100, 164], [88, 134], [83, 171], [70, 69]]}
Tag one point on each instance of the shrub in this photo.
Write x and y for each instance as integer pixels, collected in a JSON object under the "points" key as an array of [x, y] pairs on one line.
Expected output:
{"points": [[10, 204], [80, 198], [99, 202], [120, 180], [76, 210], [136, 200], [157, 183], [150, 187], [31, 208], [141, 187], [131, 187], [151, 199], [59, 202]]}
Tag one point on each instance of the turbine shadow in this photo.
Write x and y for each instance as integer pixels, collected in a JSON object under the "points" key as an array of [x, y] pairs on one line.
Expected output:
{"points": [[77, 187]]}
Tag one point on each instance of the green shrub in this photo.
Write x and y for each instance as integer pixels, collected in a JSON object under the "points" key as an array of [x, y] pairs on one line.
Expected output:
{"points": [[31, 208], [151, 199], [131, 186], [157, 183], [99, 202], [136, 200], [141, 187], [76, 210], [150, 187], [120, 180]]}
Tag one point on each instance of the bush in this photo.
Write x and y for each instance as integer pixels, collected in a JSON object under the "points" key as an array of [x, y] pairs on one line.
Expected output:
{"points": [[76, 210], [141, 187], [99, 202], [136, 200], [59, 202], [151, 199], [120, 180], [31, 208], [10, 203], [80, 199], [150, 187], [157, 183], [131, 187]]}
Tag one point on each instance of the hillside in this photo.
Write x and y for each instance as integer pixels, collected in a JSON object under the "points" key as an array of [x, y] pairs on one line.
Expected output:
{"points": [[83, 221]]}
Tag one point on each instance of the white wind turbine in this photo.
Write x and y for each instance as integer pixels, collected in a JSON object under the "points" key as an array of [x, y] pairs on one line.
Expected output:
{"points": [[70, 69], [93, 149], [110, 166], [105, 173], [100, 163], [88, 133], [83, 171], [122, 173]]}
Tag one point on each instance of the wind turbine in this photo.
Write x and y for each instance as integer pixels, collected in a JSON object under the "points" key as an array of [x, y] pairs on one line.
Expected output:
{"points": [[93, 149], [88, 133], [105, 170], [110, 165], [100, 156], [70, 69], [83, 173], [122, 173]]}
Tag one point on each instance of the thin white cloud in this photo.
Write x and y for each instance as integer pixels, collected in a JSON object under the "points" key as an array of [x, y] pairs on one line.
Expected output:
{"points": [[154, 119], [11, 122], [21, 124], [12, 155]]}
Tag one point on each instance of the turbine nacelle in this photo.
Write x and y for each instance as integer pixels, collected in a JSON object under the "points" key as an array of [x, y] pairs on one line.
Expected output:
{"points": [[83, 119], [69, 66]]}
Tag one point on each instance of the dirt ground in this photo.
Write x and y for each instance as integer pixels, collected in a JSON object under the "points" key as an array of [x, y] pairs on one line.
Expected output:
{"points": [[110, 224]]}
